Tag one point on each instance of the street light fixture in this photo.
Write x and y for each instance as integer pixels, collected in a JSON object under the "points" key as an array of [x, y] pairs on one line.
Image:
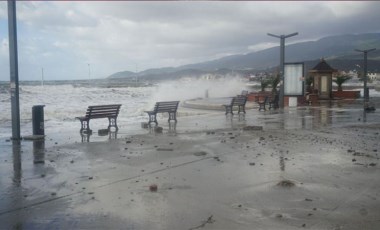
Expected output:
{"points": [[282, 61], [366, 91]]}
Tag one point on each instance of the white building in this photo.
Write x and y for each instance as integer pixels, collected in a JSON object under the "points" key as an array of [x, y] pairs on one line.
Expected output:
{"points": [[374, 76]]}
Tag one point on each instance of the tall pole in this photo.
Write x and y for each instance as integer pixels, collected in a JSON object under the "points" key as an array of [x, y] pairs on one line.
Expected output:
{"points": [[366, 91], [13, 62], [282, 61], [282, 64]]}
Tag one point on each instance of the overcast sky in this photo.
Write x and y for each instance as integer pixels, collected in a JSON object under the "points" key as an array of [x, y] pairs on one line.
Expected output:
{"points": [[70, 39]]}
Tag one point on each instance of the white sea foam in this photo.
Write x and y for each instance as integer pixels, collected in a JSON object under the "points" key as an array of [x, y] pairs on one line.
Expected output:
{"points": [[64, 102]]}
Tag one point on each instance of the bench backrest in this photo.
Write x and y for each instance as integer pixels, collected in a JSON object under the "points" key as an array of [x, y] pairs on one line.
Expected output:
{"points": [[275, 99], [166, 106], [239, 100], [244, 92], [102, 111]]}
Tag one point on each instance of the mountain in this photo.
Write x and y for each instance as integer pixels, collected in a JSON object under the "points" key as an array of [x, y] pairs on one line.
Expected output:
{"points": [[122, 74], [339, 51], [333, 47]]}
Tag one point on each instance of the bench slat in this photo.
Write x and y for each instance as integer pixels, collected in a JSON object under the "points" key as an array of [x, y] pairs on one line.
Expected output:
{"points": [[166, 106], [103, 114], [102, 111], [104, 106]]}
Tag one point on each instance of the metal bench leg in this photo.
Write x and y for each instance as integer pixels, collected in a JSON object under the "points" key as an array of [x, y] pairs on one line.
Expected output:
{"points": [[172, 116], [112, 123], [117, 128], [262, 106], [241, 109], [81, 127], [85, 125], [89, 131], [152, 118], [229, 109]]}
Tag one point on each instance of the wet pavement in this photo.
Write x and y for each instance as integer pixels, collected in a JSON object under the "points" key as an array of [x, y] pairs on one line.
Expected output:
{"points": [[308, 167]]}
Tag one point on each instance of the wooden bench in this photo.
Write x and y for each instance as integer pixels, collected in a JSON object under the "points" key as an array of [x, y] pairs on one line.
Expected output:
{"points": [[169, 107], [100, 111], [262, 102], [238, 101]]}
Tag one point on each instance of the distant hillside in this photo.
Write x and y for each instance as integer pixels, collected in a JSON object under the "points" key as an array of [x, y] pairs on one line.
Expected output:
{"points": [[329, 48], [339, 51], [123, 74]]}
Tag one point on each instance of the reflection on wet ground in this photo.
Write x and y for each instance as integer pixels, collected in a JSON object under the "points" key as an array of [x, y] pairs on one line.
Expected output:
{"points": [[86, 137], [316, 117], [209, 173]]}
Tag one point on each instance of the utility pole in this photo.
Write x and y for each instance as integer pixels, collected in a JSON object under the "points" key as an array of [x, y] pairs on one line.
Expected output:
{"points": [[282, 61], [366, 91], [13, 62]]}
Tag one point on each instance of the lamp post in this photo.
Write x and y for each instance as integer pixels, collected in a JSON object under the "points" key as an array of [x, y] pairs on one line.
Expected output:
{"points": [[366, 92], [13, 64], [282, 61]]}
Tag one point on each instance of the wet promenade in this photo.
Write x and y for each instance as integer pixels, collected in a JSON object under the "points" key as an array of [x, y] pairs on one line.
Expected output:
{"points": [[312, 167]]}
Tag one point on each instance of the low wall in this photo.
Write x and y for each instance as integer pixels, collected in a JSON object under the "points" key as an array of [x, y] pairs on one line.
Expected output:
{"points": [[313, 98], [346, 94], [253, 96]]}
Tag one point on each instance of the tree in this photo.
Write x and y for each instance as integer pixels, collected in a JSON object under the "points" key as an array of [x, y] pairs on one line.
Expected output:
{"points": [[264, 84], [274, 81], [340, 80], [308, 82]]}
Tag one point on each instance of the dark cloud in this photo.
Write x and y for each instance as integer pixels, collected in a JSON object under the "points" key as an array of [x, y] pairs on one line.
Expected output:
{"points": [[116, 36]]}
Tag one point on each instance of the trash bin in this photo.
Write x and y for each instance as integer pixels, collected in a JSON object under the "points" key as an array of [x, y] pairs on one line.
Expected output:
{"points": [[38, 119]]}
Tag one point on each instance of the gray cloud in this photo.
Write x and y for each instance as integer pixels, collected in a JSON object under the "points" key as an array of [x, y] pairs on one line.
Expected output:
{"points": [[64, 37]]}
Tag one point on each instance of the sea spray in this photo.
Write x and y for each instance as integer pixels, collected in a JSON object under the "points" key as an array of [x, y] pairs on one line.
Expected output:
{"points": [[64, 102], [186, 89]]}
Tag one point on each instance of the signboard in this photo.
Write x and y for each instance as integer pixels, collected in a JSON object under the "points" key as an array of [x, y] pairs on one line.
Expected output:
{"points": [[293, 79]]}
